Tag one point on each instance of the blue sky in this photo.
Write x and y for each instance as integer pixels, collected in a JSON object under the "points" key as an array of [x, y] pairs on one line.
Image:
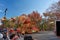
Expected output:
{"points": [[18, 7]]}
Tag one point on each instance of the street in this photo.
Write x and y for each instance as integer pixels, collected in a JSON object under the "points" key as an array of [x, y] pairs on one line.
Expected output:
{"points": [[46, 35]]}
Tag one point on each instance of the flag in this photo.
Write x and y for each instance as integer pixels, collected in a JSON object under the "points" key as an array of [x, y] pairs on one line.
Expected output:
{"points": [[5, 10]]}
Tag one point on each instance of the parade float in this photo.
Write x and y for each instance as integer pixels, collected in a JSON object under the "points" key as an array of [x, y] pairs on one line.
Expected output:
{"points": [[23, 24], [27, 25]]}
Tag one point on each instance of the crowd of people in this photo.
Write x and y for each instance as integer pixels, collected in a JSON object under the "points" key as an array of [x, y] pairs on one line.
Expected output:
{"points": [[12, 34]]}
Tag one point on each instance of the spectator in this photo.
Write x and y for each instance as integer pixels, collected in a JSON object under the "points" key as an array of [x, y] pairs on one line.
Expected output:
{"points": [[28, 38], [14, 37]]}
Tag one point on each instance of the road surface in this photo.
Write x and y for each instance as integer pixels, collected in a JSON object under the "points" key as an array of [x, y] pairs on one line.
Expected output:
{"points": [[46, 35]]}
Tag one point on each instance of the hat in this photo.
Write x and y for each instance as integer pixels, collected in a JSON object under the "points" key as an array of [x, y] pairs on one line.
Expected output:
{"points": [[28, 38]]}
